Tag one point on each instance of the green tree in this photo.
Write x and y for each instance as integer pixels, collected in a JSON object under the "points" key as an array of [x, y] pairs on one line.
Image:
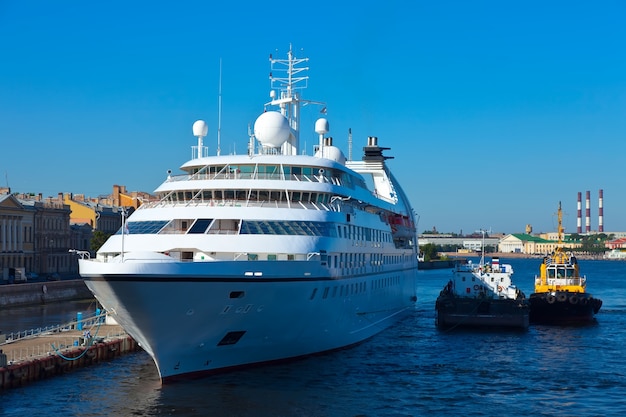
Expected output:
{"points": [[98, 239], [430, 251]]}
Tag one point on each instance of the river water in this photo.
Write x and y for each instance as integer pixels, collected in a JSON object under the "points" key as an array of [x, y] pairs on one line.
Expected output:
{"points": [[411, 369]]}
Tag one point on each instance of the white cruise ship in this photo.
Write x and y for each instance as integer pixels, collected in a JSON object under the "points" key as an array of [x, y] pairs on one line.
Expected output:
{"points": [[272, 255]]}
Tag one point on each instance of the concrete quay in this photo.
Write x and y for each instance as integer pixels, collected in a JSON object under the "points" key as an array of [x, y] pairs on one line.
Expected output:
{"points": [[27, 360], [36, 293]]}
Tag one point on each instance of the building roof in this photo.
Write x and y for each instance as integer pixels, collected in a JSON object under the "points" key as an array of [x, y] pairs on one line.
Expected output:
{"points": [[530, 238]]}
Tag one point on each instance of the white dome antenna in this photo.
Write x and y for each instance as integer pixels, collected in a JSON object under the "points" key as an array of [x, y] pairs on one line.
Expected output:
{"points": [[200, 130], [272, 129], [321, 128]]}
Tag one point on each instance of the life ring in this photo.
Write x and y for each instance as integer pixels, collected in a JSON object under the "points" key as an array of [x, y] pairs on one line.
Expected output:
{"points": [[561, 297], [551, 299], [573, 300], [476, 287], [500, 288]]}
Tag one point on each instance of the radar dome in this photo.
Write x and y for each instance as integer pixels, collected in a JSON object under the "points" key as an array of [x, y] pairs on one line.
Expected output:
{"points": [[333, 153], [272, 129], [200, 128], [321, 126]]}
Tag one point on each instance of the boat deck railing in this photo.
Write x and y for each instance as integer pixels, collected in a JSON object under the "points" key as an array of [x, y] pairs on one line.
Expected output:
{"points": [[561, 282], [243, 203], [255, 176]]}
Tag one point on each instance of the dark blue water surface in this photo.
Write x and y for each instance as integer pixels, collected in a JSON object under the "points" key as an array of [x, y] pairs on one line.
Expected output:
{"points": [[412, 369]]}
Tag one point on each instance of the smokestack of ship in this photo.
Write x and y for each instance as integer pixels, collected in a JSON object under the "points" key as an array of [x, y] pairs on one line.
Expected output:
{"points": [[579, 227], [587, 212], [600, 213]]}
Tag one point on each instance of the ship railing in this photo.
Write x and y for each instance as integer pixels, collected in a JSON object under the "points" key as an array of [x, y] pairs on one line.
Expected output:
{"points": [[554, 282], [308, 205], [255, 176]]}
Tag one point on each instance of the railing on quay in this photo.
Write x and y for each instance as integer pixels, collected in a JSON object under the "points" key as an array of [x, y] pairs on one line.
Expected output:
{"points": [[98, 317]]}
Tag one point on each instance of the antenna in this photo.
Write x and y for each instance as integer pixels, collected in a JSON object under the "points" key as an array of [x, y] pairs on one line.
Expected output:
{"points": [[219, 111], [482, 247], [350, 144]]}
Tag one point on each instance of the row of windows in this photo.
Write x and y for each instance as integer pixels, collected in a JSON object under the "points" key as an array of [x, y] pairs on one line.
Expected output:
{"points": [[260, 171], [356, 288], [216, 196], [257, 227]]}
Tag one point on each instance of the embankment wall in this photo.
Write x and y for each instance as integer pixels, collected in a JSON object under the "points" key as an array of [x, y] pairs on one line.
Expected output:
{"points": [[35, 293]]}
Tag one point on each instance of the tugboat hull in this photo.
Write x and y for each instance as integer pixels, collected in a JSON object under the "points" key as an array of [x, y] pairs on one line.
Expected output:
{"points": [[466, 312], [562, 307]]}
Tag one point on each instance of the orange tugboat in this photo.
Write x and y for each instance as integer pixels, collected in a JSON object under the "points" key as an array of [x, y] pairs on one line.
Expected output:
{"points": [[561, 295]]}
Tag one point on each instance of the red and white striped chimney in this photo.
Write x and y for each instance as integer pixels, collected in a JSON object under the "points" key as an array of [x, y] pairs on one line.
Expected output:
{"points": [[579, 218], [587, 212], [600, 213]]}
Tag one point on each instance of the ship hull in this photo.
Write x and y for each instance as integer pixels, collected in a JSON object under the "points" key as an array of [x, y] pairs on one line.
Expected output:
{"points": [[563, 307], [454, 311], [196, 319]]}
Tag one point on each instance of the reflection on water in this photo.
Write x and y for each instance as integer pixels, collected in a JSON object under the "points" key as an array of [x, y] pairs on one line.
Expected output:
{"points": [[16, 319]]}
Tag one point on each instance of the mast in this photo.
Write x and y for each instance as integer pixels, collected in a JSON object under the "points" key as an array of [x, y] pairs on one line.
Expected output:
{"points": [[219, 111], [289, 99]]}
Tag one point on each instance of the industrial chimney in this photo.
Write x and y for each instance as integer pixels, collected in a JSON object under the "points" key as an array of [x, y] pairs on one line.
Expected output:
{"points": [[587, 212], [579, 227], [600, 213]]}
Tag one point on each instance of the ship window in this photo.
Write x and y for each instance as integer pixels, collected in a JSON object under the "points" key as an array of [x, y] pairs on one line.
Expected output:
{"points": [[253, 257], [271, 257], [313, 293], [200, 226], [144, 228], [231, 338], [325, 292], [237, 294]]}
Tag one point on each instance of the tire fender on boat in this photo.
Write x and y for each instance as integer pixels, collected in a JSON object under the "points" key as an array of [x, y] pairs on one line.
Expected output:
{"points": [[551, 299], [573, 299], [583, 301], [561, 297]]}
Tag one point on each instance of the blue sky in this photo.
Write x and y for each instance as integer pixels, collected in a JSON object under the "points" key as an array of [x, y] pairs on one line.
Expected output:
{"points": [[495, 111]]}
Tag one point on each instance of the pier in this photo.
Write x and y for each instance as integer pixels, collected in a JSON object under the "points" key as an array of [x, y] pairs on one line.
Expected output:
{"points": [[37, 354]]}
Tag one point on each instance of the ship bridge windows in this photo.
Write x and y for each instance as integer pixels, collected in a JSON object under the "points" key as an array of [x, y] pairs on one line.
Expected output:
{"points": [[200, 226], [302, 228], [150, 227]]}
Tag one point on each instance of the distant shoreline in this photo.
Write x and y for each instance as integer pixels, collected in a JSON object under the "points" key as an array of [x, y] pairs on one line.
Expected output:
{"points": [[514, 255]]}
